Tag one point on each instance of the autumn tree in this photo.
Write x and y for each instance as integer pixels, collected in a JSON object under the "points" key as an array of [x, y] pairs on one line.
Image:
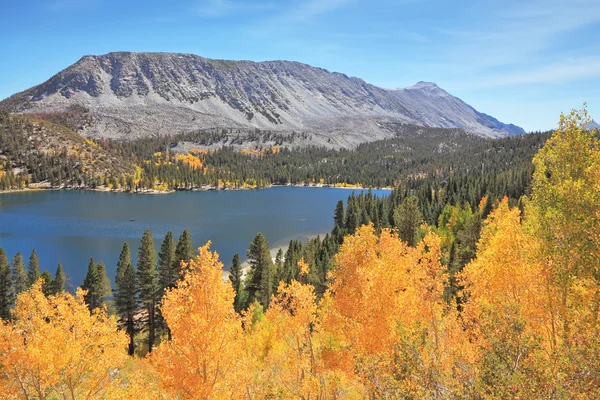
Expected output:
{"points": [[148, 284], [205, 359], [86, 363], [287, 342], [506, 311], [33, 268], [564, 214], [5, 286], [389, 329], [126, 300], [260, 277]]}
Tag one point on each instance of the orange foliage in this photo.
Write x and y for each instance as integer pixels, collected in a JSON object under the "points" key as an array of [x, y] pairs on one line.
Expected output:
{"points": [[206, 358], [56, 349]]}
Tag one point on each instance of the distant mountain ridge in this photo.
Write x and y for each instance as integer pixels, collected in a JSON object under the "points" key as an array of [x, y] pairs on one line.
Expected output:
{"points": [[132, 95]]}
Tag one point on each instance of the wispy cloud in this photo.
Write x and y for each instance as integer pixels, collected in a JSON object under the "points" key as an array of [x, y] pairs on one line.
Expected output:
{"points": [[219, 8], [306, 10], [564, 72]]}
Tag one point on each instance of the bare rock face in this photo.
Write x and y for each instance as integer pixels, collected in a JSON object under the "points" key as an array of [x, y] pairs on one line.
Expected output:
{"points": [[132, 95]]}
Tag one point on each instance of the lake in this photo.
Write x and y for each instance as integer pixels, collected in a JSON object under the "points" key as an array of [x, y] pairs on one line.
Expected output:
{"points": [[72, 226]]}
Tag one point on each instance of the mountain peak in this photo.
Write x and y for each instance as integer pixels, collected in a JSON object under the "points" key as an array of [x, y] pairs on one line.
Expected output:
{"points": [[427, 88], [133, 95]]}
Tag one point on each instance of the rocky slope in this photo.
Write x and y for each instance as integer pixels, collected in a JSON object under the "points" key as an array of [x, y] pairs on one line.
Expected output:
{"points": [[132, 95]]}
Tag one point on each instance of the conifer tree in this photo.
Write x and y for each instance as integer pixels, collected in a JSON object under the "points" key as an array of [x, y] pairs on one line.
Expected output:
{"points": [[148, 285], [33, 269], [261, 271], [104, 287], [19, 275], [60, 280], [126, 293], [47, 282], [184, 250], [168, 271], [278, 269], [407, 219], [5, 286], [167, 265], [235, 277], [91, 284]]}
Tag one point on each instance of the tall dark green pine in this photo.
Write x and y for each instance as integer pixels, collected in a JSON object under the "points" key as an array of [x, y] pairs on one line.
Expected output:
{"points": [[167, 266], [168, 274], [33, 269], [148, 285], [47, 282], [235, 277], [278, 270], [407, 218], [60, 280], [338, 216], [261, 271], [5, 286], [91, 284], [126, 300], [104, 287], [184, 250], [19, 275]]}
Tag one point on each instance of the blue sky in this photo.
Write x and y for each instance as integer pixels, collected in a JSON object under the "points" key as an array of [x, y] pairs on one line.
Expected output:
{"points": [[521, 61]]}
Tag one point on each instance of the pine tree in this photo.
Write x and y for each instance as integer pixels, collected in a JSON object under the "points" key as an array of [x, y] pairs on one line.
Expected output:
{"points": [[184, 250], [5, 286], [19, 275], [147, 275], [33, 269], [167, 265], [60, 280], [47, 282], [126, 293], [168, 271], [235, 277], [407, 219], [261, 271], [338, 216], [91, 284], [104, 287], [278, 269]]}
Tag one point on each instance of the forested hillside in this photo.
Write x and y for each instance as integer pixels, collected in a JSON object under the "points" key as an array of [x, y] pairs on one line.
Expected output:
{"points": [[36, 152], [476, 287], [44, 150]]}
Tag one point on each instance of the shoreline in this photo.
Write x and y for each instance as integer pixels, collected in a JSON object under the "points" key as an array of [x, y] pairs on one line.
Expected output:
{"points": [[196, 189], [273, 251]]}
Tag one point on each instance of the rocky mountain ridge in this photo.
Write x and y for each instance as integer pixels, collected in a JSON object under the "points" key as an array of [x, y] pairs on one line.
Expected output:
{"points": [[131, 95]]}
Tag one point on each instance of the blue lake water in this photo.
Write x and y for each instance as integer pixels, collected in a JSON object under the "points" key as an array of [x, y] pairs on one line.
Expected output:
{"points": [[72, 226]]}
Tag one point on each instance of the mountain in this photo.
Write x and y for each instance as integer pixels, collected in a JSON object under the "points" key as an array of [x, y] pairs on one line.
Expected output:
{"points": [[132, 95]]}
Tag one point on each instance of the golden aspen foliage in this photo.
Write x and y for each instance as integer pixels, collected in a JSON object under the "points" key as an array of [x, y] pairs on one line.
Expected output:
{"points": [[387, 323], [507, 308], [205, 358], [564, 215], [56, 349]]}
